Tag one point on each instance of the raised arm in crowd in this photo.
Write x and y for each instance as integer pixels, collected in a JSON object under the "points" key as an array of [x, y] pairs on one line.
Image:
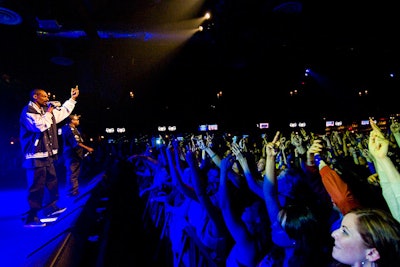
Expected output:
{"points": [[285, 201]]}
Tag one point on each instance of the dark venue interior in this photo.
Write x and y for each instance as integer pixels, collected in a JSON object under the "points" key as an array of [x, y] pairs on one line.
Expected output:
{"points": [[141, 64], [255, 53]]}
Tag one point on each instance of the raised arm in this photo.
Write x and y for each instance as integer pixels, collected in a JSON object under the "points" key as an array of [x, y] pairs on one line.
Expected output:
{"points": [[395, 128], [245, 242], [206, 146], [185, 189], [254, 184], [200, 181], [389, 176], [270, 180], [337, 188]]}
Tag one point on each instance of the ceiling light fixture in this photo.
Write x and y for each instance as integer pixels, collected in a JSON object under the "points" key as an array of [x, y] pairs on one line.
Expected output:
{"points": [[9, 17]]}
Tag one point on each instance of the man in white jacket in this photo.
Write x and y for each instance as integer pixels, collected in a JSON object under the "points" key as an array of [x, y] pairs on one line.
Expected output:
{"points": [[39, 143]]}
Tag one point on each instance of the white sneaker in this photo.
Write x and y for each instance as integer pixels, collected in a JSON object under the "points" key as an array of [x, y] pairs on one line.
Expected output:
{"points": [[48, 219]]}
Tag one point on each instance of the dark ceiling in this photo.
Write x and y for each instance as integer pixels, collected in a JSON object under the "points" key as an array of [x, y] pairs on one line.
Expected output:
{"points": [[255, 52]]}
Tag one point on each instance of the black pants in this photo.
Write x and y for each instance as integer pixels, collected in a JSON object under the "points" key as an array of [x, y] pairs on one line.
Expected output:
{"points": [[73, 167], [39, 179]]}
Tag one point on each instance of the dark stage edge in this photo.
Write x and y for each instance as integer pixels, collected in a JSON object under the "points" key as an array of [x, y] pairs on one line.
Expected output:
{"points": [[65, 242]]}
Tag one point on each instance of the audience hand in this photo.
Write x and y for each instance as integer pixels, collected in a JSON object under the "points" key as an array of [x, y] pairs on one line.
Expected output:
{"points": [[395, 127], [378, 145]]}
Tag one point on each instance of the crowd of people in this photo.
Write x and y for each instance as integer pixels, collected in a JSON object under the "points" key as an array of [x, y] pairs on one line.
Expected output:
{"points": [[291, 199]]}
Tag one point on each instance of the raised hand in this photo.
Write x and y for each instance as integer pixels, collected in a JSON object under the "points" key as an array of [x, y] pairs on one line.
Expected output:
{"points": [[313, 150], [237, 151], [303, 132], [316, 147], [395, 127], [242, 144], [209, 139], [200, 143], [272, 147], [378, 145], [327, 141], [297, 141], [75, 92]]}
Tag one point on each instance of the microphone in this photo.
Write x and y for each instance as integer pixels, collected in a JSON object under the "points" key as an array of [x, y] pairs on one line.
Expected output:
{"points": [[54, 104]]}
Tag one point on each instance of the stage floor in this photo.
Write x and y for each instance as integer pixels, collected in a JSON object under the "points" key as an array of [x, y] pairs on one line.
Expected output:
{"points": [[103, 226], [21, 246]]}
